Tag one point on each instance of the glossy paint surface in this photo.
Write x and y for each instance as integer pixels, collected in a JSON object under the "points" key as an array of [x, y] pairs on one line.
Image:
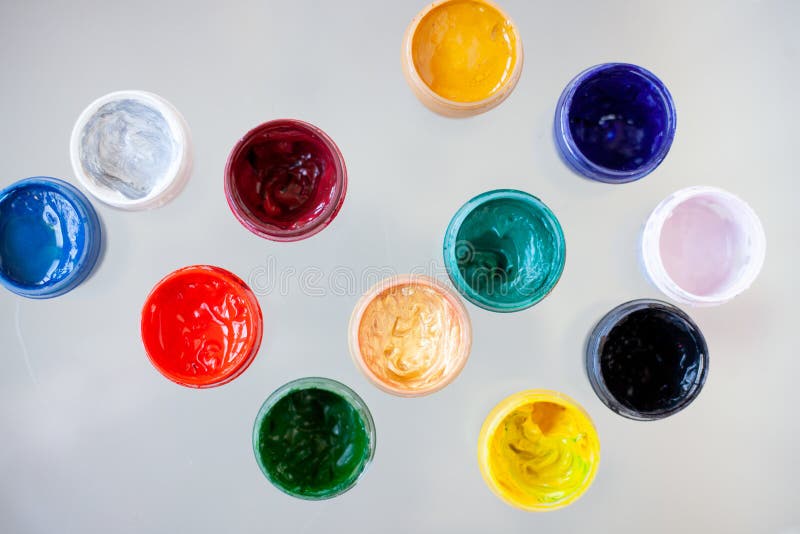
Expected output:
{"points": [[538, 450], [201, 326], [49, 237], [285, 180]]}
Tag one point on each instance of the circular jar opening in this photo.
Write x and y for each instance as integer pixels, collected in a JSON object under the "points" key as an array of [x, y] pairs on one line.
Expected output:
{"points": [[504, 250], [131, 150], [646, 360], [410, 335], [703, 246], [201, 326], [538, 450], [615, 122], [50, 237], [285, 180], [313, 438], [462, 57]]}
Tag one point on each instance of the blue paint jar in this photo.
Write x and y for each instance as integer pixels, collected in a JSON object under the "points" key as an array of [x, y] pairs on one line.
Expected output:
{"points": [[615, 123], [50, 237], [504, 250]]}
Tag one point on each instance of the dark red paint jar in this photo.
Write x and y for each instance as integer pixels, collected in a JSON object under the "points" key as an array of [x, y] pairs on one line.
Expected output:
{"points": [[285, 180]]}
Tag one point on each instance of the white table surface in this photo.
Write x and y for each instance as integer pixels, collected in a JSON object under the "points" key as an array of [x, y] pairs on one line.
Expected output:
{"points": [[93, 439]]}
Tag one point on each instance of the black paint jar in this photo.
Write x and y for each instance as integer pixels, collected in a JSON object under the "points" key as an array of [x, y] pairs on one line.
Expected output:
{"points": [[646, 360]]}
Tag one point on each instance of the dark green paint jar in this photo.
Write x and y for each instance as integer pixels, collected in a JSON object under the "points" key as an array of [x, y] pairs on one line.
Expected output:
{"points": [[313, 438]]}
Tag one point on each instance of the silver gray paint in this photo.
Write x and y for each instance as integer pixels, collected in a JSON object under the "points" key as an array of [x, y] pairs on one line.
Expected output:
{"points": [[128, 146]]}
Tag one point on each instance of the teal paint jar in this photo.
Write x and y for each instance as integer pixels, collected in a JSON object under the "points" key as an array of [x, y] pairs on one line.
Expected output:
{"points": [[504, 250]]}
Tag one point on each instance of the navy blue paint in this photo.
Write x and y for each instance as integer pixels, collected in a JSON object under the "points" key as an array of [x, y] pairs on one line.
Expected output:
{"points": [[615, 122], [50, 237]]}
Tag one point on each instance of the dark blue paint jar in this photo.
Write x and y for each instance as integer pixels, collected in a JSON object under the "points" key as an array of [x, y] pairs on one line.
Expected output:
{"points": [[50, 237], [615, 123]]}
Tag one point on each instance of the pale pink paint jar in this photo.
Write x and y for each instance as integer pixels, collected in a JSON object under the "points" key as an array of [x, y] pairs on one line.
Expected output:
{"points": [[702, 246]]}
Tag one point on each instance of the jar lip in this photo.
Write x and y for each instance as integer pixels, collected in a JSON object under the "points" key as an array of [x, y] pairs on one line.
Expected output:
{"points": [[179, 170], [447, 106], [264, 230], [651, 250], [89, 253], [254, 340], [575, 157], [597, 338], [332, 386], [465, 343], [501, 411], [451, 240]]}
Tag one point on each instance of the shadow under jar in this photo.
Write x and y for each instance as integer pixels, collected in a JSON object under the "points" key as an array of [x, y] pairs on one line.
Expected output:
{"points": [[615, 123], [646, 360], [285, 180]]}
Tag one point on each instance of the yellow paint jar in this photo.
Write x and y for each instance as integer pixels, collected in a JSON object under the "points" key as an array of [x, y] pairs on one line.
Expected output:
{"points": [[410, 335], [462, 57], [538, 450]]}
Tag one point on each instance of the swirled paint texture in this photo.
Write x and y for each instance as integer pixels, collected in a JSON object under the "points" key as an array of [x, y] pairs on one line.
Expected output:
{"points": [[129, 147], [312, 443], [464, 50], [542, 453], [410, 337], [201, 326], [509, 250]]}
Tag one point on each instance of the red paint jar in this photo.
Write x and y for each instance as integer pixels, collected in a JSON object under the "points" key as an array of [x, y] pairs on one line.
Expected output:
{"points": [[201, 326], [285, 180]]}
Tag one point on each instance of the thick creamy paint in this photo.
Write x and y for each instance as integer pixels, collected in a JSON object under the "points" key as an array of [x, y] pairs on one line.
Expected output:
{"points": [[49, 237], [653, 360], [410, 336], [312, 443], [285, 180], [201, 326], [464, 50], [540, 451], [40, 236], [508, 250], [129, 147]]}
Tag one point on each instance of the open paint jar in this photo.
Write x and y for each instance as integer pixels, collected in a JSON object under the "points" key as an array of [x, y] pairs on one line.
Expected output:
{"points": [[462, 57], [410, 335], [131, 150], [285, 180], [615, 122], [201, 326], [703, 246], [646, 360], [538, 450], [313, 438], [50, 237], [504, 250]]}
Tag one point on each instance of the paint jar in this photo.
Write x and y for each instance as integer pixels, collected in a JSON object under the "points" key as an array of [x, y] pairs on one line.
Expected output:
{"points": [[702, 246], [454, 79], [285, 180], [538, 450], [314, 438], [615, 123], [410, 335], [504, 250], [50, 237], [201, 326], [131, 150], [646, 360]]}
